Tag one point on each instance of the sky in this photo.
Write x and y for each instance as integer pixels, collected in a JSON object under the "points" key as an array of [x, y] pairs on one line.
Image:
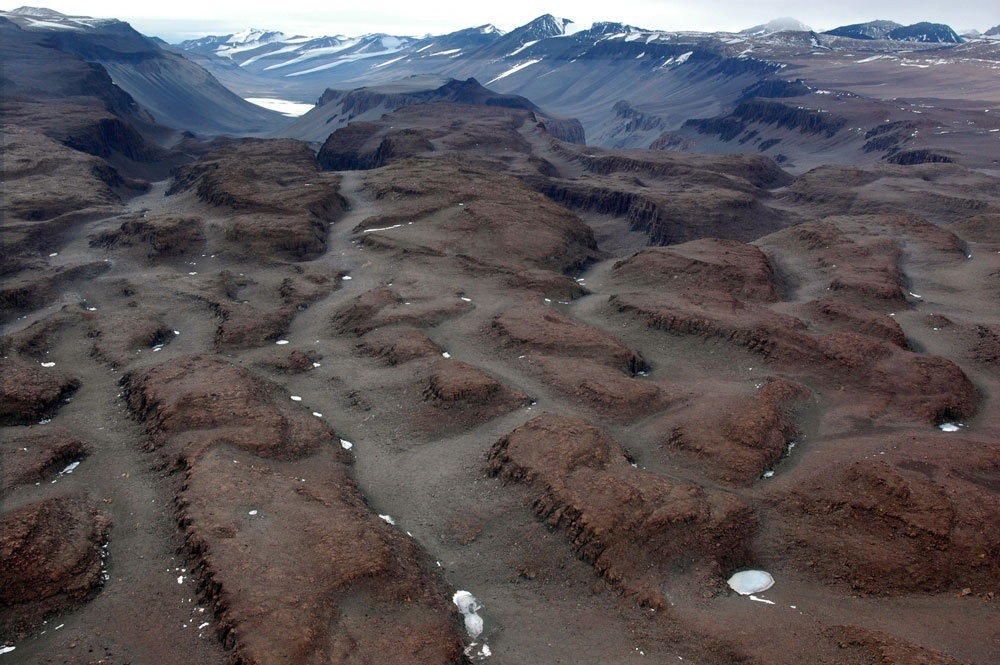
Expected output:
{"points": [[175, 20]]}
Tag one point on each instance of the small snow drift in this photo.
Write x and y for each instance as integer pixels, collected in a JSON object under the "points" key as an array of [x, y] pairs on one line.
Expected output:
{"points": [[469, 607], [747, 582]]}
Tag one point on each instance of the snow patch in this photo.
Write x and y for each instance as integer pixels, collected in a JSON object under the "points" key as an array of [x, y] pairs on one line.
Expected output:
{"points": [[522, 47], [950, 427], [388, 518], [514, 70], [761, 600], [469, 607], [283, 106], [748, 582], [347, 445]]}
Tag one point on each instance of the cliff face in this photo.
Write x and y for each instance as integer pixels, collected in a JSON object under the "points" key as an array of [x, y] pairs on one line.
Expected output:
{"points": [[768, 113]]}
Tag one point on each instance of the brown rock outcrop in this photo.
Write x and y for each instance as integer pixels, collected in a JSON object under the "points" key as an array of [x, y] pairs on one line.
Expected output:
{"points": [[194, 402], [899, 385], [738, 437], [439, 209], [36, 455], [118, 336], [245, 326], [608, 392], [720, 265], [50, 560], [157, 236], [385, 307], [283, 204], [301, 571], [633, 525], [879, 648], [898, 523], [469, 393], [397, 344], [29, 393], [534, 327]]}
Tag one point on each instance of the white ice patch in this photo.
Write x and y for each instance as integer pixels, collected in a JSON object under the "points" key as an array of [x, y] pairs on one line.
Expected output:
{"points": [[180, 579], [281, 342], [252, 512], [384, 228], [48, 364], [282, 106], [7, 649], [445, 354], [469, 607], [347, 278], [950, 427], [748, 582], [317, 414], [466, 299], [296, 398], [69, 469], [761, 600], [388, 518], [347, 445], [514, 70]]}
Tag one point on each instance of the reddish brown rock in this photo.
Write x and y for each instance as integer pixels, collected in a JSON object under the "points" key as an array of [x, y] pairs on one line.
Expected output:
{"points": [[738, 437], [860, 256], [397, 344], [845, 316], [194, 402], [50, 560], [119, 336], [37, 339], [245, 326], [29, 392], [289, 362], [161, 236], [605, 390], [986, 348], [469, 392], [282, 203], [308, 285], [385, 307], [532, 326], [879, 648], [898, 385], [899, 523], [37, 455], [38, 285], [443, 208], [546, 283], [720, 265], [301, 571], [636, 527]]}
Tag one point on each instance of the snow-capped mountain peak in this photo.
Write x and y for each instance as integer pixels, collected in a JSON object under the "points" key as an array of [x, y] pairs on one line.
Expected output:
{"points": [[255, 36], [38, 12], [784, 24]]}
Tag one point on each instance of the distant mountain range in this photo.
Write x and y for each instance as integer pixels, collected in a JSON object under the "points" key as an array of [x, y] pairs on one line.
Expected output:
{"points": [[628, 87]]}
